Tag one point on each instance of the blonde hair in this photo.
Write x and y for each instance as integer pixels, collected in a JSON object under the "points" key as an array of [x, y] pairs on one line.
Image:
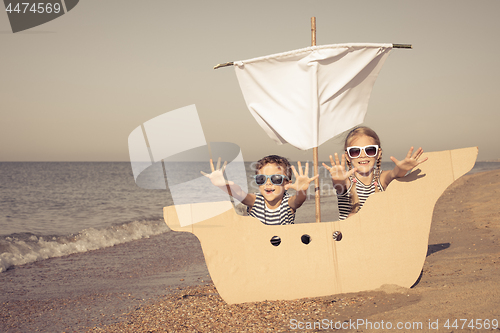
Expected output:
{"points": [[354, 133]]}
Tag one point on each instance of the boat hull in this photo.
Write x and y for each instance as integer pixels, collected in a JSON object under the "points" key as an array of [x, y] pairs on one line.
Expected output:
{"points": [[385, 243]]}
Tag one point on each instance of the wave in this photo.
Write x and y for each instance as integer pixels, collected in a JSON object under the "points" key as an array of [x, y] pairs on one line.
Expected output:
{"points": [[24, 248]]}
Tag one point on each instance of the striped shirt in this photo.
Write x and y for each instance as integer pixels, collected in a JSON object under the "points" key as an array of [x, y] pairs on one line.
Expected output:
{"points": [[364, 191], [281, 215]]}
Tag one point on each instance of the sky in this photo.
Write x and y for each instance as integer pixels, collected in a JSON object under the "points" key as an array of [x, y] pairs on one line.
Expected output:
{"points": [[73, 89]]}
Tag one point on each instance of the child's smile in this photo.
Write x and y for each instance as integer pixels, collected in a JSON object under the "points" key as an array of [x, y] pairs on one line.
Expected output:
{"points": [[273, 194], [363, 163]]}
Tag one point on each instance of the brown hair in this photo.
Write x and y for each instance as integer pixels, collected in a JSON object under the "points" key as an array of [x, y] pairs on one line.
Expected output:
{"points": [[356, 132], [279, 161]]}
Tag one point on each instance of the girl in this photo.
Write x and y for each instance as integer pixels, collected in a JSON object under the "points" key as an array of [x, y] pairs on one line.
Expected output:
{"points": [[364, 177]]}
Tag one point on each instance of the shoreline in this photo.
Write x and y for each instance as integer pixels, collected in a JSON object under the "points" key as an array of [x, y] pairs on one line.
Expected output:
{"points": [[162, 287]]}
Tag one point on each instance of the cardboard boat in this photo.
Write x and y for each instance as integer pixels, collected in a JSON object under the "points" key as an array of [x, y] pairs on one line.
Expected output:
{"points": [[385, 243]]}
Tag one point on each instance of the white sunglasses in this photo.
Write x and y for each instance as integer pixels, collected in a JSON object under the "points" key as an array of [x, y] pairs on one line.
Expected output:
{"points": [[355, 151]]}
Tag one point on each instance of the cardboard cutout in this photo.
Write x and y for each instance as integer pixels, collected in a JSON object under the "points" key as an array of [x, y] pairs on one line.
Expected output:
{"points": [[385, 243]]}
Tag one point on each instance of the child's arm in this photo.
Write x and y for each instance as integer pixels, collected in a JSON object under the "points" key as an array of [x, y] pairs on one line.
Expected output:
{"points": [[402, 167], [301, 185], [340, 176], [217, 179]]}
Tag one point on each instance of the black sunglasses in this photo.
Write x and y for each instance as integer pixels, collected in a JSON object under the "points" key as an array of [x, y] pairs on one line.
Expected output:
{"points": [[275, 179]]}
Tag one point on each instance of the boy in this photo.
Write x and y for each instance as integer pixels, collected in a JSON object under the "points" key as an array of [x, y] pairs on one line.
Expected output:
{"points": [[273, 205]]}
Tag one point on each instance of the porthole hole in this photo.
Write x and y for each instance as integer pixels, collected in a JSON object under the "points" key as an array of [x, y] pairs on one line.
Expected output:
{"points": [[337, 236], [306, 239], [276, 240]]}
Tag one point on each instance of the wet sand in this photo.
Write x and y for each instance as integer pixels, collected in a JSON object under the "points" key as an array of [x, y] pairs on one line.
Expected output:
{"points": [[460, 280], [72, 293]]}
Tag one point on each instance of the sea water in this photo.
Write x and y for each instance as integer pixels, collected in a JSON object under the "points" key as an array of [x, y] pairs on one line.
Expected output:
{"points": [[53, 209]]}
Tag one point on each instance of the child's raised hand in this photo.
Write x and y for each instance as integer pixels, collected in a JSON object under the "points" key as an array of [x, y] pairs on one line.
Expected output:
{"points": [[337, 170], [302, 179], [409, 162], [217, 175]]}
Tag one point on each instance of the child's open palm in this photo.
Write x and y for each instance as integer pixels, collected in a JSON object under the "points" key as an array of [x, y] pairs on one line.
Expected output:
{"points": [[217, 175], [337, 170], [410, 161], [302, 179]]}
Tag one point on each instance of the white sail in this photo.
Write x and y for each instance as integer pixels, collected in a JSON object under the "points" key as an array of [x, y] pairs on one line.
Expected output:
{"points": [[307, 96]]}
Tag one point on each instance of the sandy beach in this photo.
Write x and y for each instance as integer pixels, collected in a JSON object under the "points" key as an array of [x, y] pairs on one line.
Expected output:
{"points": [[458, 290]]}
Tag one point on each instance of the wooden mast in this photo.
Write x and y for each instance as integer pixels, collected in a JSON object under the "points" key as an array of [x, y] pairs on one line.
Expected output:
{"points": [[315, 149]]}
